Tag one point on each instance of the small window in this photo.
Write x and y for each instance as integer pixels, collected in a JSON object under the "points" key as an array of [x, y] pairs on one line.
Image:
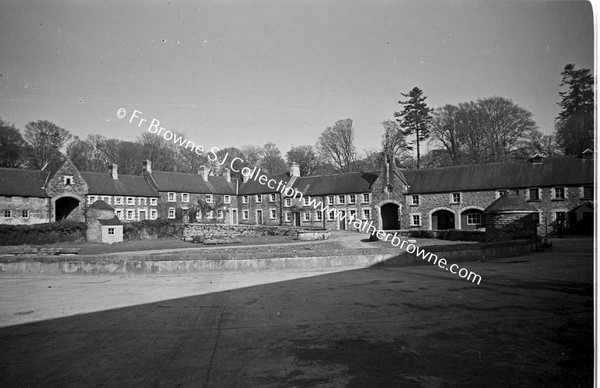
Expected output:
{"points": [[209, 198], [227, 199], [305, 200], [560, 218], [416, 220], [415, 200], [152, 201], [559, 193], [474, 219], [153, 214], [287, 202], [68, 180], [273, 214], [319, 215], [367, 214], [259, 198], [288, 216], [7, 214], [352, 198], [352, 214], [119, 214], [534, 194], [111, 231], [366, 198], [330, 199], [91, 199], [306, 216], [455, 197], [220, 214], [245, 214], [210, 214], [341, 199], [171, 197], [130, 214], [118, 200], [130, 200], [185, 197], [171, 214], [331, 216], [588, 192], [25, 213], [272, 197], [198, 215], [245, 199]]}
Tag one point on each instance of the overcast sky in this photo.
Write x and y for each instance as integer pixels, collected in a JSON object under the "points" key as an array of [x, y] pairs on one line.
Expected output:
{"points": [[230, 73]]}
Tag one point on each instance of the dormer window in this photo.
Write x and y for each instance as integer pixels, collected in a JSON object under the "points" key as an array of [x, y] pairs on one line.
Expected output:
{"points": [[68, 180]]}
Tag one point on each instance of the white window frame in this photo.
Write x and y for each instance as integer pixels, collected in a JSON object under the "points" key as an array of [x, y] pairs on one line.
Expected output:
{"points": [[171, 196], [352, 213], [367, 196], [153, 201], [288, 216], [364, 212], [130, 200], [418, 200], [220, 213], [245, 198], [227, 199], [305, 200], [130, 212], [287, 202], [258, 198], [119, 213], [474, 214], [25, 213], [554, 192], [153, 214], [330, 200], [208, 198], [171, 213], [118, 200], [68, 180], [331, 216], [352, 199], [272, 198], [91, 199], [341, 199], [185, 197], [245, 214], [306, 216], [412, 219], [319, 215], [111, 231], [453, 200], [273, 214], [9, 212]]}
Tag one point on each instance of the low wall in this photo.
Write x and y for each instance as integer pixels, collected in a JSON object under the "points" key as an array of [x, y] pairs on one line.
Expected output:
{"points": [[192, 260], [233, 231]]}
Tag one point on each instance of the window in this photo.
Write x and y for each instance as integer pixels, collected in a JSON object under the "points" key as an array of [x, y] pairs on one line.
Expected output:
{"points": [[306, 216], [245, 214], [273, 214], [7, 214], [210, 214], [259, 198], [68, 180], [272, 197], [330, 200], [152, 201], [537, 217], [331, 216], [131, 200], [209, 198], [245, 199], [415, 200], [106, 199], [220, 214], [198, 215], [171, 214], [319, 215], [111, 231], [227, 199], [119, 214], [366, 214], [185, 197], [352, 214], [474, 219], [153, 214], [341, 199], [588, 192], [305, 200], [455, 197], [130, 215], [559, 193], [171, 197], [415, 219], [500, 193], [118, 200], [352, 198], [560, 218], [366, 198], [534, 194], [91, 199], [25, 213], [287, 202], [288, 216]]}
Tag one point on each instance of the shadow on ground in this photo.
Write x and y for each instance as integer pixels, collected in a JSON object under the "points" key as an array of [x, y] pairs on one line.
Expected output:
{"points": [[529, 324]]}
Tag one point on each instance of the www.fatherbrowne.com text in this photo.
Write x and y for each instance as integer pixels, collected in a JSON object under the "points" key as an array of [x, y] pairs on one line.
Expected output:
{"points": [[286, 190]]}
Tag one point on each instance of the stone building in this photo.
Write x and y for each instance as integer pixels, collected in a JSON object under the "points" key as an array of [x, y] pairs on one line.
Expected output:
{"points": [[102, 224], [510, 217]]}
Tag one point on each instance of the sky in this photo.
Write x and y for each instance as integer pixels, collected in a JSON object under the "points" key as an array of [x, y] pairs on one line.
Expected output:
{"points": [[232, 73]]}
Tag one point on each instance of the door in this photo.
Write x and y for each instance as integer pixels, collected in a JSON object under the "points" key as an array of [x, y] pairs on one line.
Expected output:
{"points": [[259, 217], [142, 215], [234, 217], [297, 219], [342, 215]]}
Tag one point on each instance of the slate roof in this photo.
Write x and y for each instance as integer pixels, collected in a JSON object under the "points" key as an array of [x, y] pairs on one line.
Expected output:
{"points": [[192, 183], [348, 183], [254, 187], [132, 185], [101, 205], [566, 170], [111, 222], [510, 203], [24, 183]]}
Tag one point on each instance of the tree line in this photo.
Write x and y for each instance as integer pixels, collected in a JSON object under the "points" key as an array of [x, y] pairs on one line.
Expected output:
{"points": [[487, 130]]}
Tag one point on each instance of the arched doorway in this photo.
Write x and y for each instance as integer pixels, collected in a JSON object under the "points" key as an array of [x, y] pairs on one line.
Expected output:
{"points": [[389, 217], [65, 209], [442, 220], [471, 219]]}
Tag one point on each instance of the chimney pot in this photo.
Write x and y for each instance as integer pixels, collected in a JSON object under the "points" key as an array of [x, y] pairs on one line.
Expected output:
{"points": [[113, 169], [294, 169], [227, 174], [147, 166], [204, 172]]}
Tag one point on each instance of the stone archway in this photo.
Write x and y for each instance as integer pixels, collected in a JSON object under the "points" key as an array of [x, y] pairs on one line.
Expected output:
{"points": [[67, 208], [390, 216], [442, 219]]}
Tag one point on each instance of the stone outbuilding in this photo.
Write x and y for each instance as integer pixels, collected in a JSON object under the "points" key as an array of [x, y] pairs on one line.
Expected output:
{"points": [[102, 224], [510, 217]]}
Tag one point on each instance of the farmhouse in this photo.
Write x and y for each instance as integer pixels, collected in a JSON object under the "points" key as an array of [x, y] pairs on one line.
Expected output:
{"points": [[561, 189]]}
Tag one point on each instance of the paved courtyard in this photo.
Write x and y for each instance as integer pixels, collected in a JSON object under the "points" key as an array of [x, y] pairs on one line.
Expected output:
{"points": [[529, 324]]}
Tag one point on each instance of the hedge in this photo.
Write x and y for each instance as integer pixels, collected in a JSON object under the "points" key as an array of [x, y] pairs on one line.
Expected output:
{"points": [[450, 234], [152, 229], [48, 233]]}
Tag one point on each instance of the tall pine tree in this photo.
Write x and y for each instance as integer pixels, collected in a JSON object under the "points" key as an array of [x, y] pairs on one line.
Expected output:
{"points": [[415, 118]]}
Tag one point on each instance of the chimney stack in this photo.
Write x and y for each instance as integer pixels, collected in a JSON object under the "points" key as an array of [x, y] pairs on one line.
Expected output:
{"points": [[147, 166], [227, 174], [294, 169], [204, 172], [113, 171]]}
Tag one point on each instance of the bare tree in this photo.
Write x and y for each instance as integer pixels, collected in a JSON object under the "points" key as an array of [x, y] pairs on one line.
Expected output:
{"points": [[272, 161], [45, 139], [306, 158], [336, 145], [12, 146]]}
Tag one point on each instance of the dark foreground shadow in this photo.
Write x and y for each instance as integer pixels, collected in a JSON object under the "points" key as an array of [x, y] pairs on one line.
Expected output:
{"points": [[378, 327]]}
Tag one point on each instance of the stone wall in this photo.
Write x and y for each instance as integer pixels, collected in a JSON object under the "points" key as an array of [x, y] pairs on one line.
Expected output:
{"points": [[252, 206], [233, 231], [67, 182], [509, 226], [24, 210]]}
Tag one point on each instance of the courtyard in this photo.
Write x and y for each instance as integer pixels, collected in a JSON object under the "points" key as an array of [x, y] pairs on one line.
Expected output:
{"points": [[529, 324]]}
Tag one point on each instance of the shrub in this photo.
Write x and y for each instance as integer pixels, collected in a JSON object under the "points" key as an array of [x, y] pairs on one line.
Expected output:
{"points": [[48, 233], [152, 229]]}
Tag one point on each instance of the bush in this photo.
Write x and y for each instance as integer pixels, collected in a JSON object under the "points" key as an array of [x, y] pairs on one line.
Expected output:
{"points": [[152, 229], [48, 233]]}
